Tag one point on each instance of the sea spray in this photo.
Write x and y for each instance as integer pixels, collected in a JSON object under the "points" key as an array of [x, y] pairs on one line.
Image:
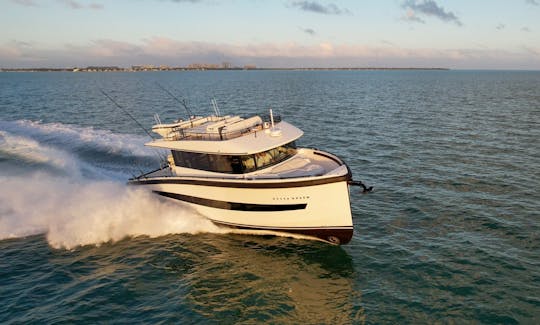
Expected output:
{"points": [[74, 213], [77, 201], [74, 138], [75, 151], [23, 149], [25, 153]]}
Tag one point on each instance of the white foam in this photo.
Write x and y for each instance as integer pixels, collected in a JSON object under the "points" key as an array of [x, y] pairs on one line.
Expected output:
{"points": [[58, 145], [73, 136], [64, 162], [74, 210], [74, 213], [32, 151]]}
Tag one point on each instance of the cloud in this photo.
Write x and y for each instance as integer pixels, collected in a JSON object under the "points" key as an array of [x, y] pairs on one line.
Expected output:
{"points": [[532, 50], [73, 4], [20, 51], [28, 3], [500, 26], [309, 31], [525, 29], [532, 2], [316, 7], [415, 8], [388, 43], [162, 50], [77, 5], [107, 47], [411, 16], [96, 6]]}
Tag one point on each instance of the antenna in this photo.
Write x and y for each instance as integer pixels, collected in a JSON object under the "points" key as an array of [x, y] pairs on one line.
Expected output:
{"points": [[216, 108], [182, 102], [272, 118], [126, 112], [157, 119]]}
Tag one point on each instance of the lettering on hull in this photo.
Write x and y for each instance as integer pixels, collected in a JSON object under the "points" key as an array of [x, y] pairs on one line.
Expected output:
{"points": [[233, 205]]}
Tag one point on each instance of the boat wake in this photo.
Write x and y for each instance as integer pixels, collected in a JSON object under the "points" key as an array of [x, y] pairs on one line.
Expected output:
{"points": [[48, 186], [78, 138], [76, 212], [52, 185]]}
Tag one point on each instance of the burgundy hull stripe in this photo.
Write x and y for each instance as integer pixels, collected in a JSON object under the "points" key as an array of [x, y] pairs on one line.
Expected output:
{"points": [[236, 184], [232, 205], [344, 234]]}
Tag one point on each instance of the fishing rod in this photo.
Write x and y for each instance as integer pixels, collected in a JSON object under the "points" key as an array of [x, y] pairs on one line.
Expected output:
{"points": [[162, 158], [126, 112], [182, 102]]}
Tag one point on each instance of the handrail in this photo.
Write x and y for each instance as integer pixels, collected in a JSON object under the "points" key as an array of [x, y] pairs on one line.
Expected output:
{"points": [[148, 173], [183, 134]]}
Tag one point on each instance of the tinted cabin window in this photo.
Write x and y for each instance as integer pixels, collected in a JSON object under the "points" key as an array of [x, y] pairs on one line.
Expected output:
{"points": [[276, 155], [221, 164], [233, 164], [248, 163], [214, 163], [179, 159]]}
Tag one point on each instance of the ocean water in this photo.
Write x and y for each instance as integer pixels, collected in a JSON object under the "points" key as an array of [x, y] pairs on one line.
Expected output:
{"points": [[450, 234]]}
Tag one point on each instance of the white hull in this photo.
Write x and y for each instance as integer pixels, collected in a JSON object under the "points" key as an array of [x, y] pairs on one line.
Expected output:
{"points": [[248, 173], [313, 206]]}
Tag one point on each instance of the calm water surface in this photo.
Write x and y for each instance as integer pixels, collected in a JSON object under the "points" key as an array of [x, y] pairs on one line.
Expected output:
{"points": [[451, 233]]}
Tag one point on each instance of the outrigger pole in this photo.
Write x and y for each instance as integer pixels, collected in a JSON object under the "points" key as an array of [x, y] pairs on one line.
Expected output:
{"points": [[126, 112], [182, 102]]}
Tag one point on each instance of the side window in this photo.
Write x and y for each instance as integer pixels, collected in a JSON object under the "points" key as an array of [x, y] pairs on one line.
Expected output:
{"points": [[236, 165], [178, 157], [248, 163], [263, 158], [221, 163], [233, 164], [190, 160], [275, 155], [200, 161]]}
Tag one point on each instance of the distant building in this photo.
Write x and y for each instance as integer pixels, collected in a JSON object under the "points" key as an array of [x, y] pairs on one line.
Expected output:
{"points": [[102, 68], [145, 67], [202, 66]]}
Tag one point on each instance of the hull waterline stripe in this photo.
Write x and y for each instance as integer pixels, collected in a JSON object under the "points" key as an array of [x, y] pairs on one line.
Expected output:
{"points": [[343, 234], [232, 205], [282, 229]]}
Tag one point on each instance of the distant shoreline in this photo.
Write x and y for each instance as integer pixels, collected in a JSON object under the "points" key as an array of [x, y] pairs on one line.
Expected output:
{"points": [[118, 69]]}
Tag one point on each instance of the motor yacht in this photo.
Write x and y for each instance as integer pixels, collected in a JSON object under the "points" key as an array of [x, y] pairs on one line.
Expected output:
{"points": [[248, 173]]}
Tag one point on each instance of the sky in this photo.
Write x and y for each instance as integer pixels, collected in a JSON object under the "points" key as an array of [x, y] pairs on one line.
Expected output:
{"points": [[455, 34]]}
